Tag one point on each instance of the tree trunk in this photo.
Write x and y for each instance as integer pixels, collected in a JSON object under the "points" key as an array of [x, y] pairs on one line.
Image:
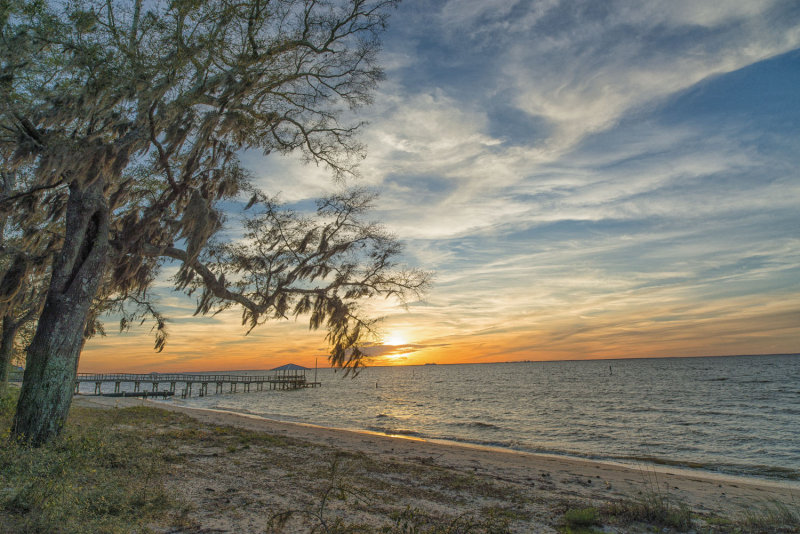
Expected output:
{"points": [[6, 348], [6, 351], [52, 359]]}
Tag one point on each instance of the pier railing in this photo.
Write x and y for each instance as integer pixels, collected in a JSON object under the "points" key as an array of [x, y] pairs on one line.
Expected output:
{"points": [[180, 377], [283, 380]]}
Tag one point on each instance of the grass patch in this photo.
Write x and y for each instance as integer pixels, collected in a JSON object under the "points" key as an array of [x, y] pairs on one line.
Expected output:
{"points": [[103, 474], [581, 521], [416, 521], [772, 517], [108, 471], [652, 508]]}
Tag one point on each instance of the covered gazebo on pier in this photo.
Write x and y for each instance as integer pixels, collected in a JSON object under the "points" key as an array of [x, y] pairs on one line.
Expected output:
{"points": [[293, 375]]}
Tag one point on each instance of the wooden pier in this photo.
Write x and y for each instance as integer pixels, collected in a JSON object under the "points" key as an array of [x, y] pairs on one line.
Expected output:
{"points": [[144, 394], [198, 383]]}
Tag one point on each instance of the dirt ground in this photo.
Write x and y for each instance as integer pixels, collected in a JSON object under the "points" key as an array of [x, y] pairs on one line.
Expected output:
{"points": [[298, 477]]}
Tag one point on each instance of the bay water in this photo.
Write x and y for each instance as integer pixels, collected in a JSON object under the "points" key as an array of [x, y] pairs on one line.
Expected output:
{"points": [[735, 415]]}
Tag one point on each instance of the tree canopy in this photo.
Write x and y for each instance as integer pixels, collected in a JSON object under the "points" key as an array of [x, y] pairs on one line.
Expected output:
{"points": [[127, 117]]}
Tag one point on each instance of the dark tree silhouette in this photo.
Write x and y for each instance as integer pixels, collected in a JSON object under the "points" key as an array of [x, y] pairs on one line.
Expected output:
{"points": [[291, 264], [25, 258], [134, 113]]}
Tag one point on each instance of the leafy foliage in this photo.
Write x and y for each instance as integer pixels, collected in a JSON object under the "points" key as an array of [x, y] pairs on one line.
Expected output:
{"points": [[289, 264], [153, 101]]}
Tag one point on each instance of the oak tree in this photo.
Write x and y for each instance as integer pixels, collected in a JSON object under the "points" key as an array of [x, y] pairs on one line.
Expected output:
{"points": [[134, 112]]}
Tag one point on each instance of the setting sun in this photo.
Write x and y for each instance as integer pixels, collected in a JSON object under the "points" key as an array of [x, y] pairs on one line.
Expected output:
{"points": [[395, 339]]}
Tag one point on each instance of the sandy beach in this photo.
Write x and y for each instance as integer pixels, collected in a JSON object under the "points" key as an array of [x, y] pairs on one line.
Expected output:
{"points": [[237, 495]]}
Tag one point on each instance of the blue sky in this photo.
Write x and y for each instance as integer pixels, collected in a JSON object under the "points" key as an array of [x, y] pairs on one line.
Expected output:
{"points": [[587, 179]]}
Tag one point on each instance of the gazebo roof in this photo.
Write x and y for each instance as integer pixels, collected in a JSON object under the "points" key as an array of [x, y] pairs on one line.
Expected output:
{"points": [[291, 367]]}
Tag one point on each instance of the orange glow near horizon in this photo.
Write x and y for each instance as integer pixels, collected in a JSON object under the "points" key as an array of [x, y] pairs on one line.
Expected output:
{"points": [[216, 348], [413, 337]]}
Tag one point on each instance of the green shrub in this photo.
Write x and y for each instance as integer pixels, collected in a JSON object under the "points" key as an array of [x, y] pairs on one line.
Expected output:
{"points": [[582, 517], [654, 508]]}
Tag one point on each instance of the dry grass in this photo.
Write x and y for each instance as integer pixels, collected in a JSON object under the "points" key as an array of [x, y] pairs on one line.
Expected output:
{"points": [[149, 470], [90, 479], [772, 518]]}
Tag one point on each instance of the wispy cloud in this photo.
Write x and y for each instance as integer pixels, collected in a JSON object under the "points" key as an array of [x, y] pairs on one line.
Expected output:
{"points": [[588, 179]]}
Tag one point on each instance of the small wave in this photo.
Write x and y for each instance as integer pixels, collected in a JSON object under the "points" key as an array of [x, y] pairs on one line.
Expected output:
{"points": [[404, 432], [762, 471], [787, 411], [501, 444], [667, 461], [771, 471], [396, 431], [479, 424]]}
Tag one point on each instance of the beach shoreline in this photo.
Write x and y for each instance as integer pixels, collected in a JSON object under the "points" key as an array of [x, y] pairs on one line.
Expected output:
{"points": [[671, 468], [552, 478]]}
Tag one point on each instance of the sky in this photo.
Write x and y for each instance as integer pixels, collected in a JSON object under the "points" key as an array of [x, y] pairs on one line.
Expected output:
{"points": [[586, 180]]}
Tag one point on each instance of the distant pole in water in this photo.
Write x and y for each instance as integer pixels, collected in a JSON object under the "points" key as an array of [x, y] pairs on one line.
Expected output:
{"points": [[610, 371], [316, 361]]}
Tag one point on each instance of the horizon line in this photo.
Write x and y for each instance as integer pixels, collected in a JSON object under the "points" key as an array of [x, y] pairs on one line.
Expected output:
{"points": [[513, 361]]}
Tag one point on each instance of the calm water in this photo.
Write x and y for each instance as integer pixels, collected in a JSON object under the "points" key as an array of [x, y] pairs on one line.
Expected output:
{"points": [[736, 415]]}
